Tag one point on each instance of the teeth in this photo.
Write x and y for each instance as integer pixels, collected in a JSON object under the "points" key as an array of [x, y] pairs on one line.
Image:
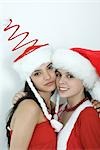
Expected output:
{"points": [[63, 89]]}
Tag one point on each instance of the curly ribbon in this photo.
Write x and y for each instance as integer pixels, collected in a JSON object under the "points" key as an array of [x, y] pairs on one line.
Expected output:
{"points": [[13, 36]]}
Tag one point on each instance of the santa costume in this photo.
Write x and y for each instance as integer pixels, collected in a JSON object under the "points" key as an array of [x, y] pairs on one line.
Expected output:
{"points": [[45, 131], [82, 130]]}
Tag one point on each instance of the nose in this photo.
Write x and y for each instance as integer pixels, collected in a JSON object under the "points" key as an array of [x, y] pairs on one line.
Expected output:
{"points": [[62, 80], [46, 75]]}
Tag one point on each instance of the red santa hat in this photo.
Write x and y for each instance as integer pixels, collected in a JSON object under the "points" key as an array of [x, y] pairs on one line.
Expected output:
{"points": [[26, 65], [83, 64]]}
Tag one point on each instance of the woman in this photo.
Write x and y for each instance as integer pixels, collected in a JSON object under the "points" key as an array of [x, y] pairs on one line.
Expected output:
{"points": [[78, 73], [30, 124]]}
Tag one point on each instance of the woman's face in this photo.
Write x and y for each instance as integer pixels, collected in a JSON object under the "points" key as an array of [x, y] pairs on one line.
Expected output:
{"points": [[44, 78], [67, 85]]}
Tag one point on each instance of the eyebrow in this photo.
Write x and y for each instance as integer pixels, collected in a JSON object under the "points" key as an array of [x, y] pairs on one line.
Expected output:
{"points": [[57, 70], [49, 64], [40, 70], [36, 71]]}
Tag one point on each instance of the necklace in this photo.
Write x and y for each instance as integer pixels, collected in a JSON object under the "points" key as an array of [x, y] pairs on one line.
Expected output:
{"points": [[74, 107]]}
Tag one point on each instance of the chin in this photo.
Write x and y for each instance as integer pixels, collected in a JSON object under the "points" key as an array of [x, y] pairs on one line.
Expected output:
{"points": [[50, 89], [64, 95]]}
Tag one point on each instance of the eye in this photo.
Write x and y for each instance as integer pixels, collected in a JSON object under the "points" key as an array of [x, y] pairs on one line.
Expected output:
{"points": [[37, 73], [50, 67], [58, 74], [69, 76]]}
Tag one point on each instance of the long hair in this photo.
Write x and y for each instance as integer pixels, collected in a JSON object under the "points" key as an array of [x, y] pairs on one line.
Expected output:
{"points": [[87, 94], [29, 95]]}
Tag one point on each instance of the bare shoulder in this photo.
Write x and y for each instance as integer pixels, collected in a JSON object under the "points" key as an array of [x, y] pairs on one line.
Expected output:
{"points": [[28, 106], [27, 113]]}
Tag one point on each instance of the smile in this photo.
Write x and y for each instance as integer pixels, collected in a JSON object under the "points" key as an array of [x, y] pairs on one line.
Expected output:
{"points": [[63, 89]]}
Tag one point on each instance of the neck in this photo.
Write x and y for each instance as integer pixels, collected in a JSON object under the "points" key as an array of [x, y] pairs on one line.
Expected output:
{"points": [[74, 100], [46, 96]]}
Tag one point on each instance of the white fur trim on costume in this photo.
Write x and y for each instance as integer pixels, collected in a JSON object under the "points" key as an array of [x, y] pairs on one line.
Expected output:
{"points": [[26, 65], [64, 134]]}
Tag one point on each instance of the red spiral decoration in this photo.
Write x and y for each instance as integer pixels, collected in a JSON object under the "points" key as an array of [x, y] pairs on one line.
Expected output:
{"points": [[29, 49]]}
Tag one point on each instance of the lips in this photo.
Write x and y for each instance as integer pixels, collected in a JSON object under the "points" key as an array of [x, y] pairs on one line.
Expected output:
{"points": [[49, 83], [63, 89]]}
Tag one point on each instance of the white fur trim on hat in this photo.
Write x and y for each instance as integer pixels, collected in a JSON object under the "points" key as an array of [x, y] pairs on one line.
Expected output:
{"points": [[26, 65], [95, 91], [79, 66]]}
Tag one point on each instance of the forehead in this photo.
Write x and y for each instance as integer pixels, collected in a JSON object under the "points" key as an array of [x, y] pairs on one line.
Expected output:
{"points": [[42, 66], [62, 71]]}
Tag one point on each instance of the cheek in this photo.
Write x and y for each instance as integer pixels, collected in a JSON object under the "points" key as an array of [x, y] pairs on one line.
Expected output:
{"points": [[57, 81], [77, 86], [53, 75], [37, 81]]}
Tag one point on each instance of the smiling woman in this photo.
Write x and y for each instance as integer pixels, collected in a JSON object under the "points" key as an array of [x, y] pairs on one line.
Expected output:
{"points": [[78, 79]]}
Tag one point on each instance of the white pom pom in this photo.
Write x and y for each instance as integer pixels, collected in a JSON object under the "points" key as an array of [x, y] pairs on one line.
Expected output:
{"points": [[56, 125]]}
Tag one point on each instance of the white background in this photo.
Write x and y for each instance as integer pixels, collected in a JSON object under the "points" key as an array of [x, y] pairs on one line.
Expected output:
{"points": [[60, 23]]}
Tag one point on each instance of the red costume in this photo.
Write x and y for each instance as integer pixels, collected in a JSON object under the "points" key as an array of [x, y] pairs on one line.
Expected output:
{"points": [[43, 138], [82, 131]]}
